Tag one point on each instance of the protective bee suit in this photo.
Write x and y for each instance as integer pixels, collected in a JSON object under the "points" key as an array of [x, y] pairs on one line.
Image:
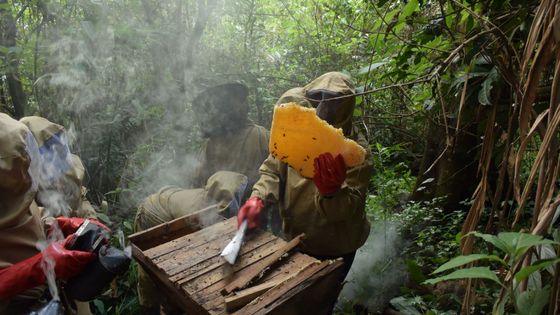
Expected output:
{"points": [[21, 229], [20, 220], [224, 188], [60, 186], [233, 142], [335, 224]]}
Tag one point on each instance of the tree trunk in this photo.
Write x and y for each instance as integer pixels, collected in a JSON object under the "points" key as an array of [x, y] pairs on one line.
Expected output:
{"points": [[448, 172], [8, 40], [425, 181], [458, 170]]}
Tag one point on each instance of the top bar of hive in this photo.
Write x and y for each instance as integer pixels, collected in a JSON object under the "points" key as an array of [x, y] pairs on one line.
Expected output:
{"points": [[191, 264]]}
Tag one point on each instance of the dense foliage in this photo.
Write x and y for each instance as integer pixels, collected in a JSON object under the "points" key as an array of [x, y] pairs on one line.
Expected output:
{"points": [[458, 98]]}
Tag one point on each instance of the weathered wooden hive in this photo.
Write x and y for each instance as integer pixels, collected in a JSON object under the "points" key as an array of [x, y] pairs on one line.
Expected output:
{"points": [[267, 278]]}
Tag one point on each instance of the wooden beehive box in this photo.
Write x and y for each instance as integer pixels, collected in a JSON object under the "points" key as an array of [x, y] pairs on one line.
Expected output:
{"points": [[183, 257]]}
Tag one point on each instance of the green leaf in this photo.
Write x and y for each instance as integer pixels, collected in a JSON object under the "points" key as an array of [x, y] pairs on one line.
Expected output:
{"points": [[540, 264], [409, 8], [462, 260], [404, 306], [526, 241], [99, 306], [485, 95], [449, 19], [373, 66], [494, 240], [475, 272], [14, 50], [128, 226], [521, 242], [532, 302], [103, 217]]}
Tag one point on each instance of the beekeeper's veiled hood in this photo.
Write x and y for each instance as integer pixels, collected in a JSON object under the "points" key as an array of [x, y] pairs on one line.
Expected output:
{"points": [[61, 171], [41, 128], [295, 95], [222, 109], [53, 146], [337, 112], [16, 185]]}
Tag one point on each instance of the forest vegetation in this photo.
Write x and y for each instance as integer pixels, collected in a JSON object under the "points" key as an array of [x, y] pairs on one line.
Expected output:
{"points": [[459, 100]]}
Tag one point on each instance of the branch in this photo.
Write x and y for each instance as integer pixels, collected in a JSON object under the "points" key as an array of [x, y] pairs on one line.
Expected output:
{"points": [[422, 79]]}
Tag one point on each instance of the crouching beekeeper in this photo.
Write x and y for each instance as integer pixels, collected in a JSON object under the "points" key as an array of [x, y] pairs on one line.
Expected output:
{"points": [[22, 232], [223, 192]]}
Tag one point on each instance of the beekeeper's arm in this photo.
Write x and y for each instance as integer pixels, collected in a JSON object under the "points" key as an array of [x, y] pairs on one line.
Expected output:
{"points": [[29, 273]]}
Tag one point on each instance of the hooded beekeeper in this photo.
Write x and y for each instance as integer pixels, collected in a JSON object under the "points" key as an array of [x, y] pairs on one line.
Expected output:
{"points": [[23, 246], [330, 207]]}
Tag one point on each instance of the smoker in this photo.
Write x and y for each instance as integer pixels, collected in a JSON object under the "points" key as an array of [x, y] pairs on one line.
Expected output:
{"points": [[110, 263]]}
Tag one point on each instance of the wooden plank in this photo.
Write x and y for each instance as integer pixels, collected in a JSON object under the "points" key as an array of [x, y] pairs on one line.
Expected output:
{"points": [[223, 274], [292, 265], [184, 258], [211, 295], [215, 303], [284, 291], [241, 298], [185, 302], [214, 300], [167, 231], [283, 288], [163, 251], [199, 237], [243, 278], [211, 261], [319, 293]]}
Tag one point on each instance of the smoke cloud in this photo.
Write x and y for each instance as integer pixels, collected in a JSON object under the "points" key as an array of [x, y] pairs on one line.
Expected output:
{"points": [[124, 74], [378, 270]]}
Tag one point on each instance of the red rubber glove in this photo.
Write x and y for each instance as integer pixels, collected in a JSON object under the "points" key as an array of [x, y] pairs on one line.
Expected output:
{"points": [[70, 225], [250, 211], [330, 173], [28, 273]]}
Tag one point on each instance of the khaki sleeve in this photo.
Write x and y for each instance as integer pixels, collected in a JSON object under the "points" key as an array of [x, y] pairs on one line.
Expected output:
{"points": [[268, 185], [350, 200]]}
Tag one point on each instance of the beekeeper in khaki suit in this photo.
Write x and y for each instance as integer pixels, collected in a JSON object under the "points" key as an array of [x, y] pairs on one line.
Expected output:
{"points": [[224, 189], [53, 147], [230, 157], [330, 207], [21, 229]]}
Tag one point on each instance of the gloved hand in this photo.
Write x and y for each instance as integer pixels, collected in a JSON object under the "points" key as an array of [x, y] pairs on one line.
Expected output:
{"points": [[330, 173], [70, 225], [250, 211], [28, 273]]}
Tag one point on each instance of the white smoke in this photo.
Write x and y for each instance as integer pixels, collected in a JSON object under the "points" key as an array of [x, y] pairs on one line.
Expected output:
{"points": [[378, 270], [49, 180], [48, 264], [56, 189]]}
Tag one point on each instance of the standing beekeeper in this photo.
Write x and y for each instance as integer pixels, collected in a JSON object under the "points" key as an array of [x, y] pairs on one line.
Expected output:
{"points": [[330, 207], [22, 233]]}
